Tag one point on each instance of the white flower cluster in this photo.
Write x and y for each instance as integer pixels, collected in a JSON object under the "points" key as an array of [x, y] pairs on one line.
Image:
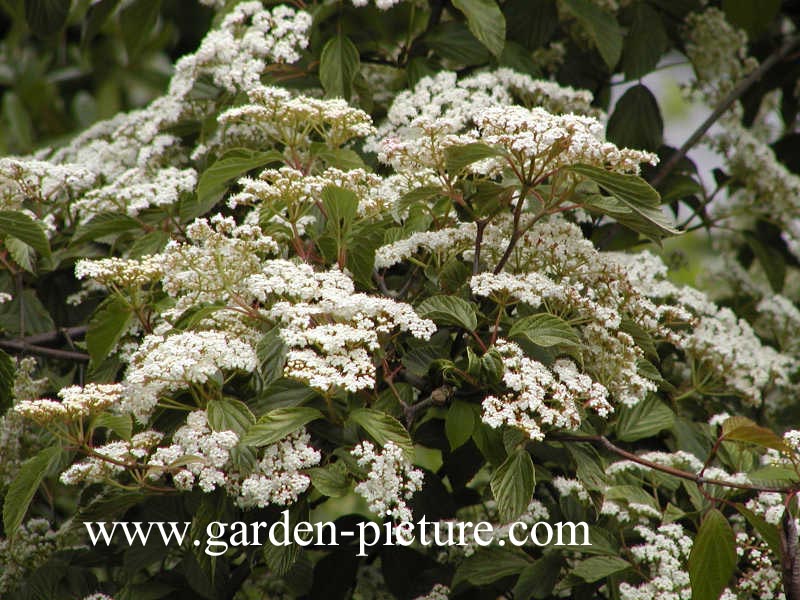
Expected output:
{"points": [[541, 396], [121, 272], [276, 114], [77, 402], [41, 182], [550, 142], [278, 478], [329, 328], [203, 455], [454, 103], [566, 486], [665, 553], [34, 542], [136, 190], [167, 364], [449, 240], [391, 480], [234, 55], [286, 195], [111, 459]]}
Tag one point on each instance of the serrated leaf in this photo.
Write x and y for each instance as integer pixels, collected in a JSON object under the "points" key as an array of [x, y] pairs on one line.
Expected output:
{"points": [[486, 22], [599, 567], [645, 419], [102, 225], [713, 557], [271, 351], [215, 179], [21, 253], [278, 423], [452, 41], [330, 481], [459, 423], [150, 243], [383, 428], [636, 121], [449, 310], [111, 319], [21, 226], [457, 158], [338, 65], [546, 330], [22, 489], [229, 414], [601, 27], [512, 485], [119, 424], [640, 202], [742, 429]]}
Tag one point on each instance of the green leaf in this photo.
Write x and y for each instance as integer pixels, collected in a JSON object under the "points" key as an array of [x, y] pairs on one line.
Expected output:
{"points": [[457, 158], [102, 225], [214, 180], [639, 206], [96, 16], [19, 121], [588, 466], [459, 423], [754, 16], [486, 22], [21, 253], [338, 65], [364, 239], [489, 564], [341, 208], [137, 22], [345, 159], [599, 567], [119, 424], [111, 319], [644, 419], [383, 428], [330, 481], [21, 226], [229, 414], [7, 374], [713, 557], [22, 489], [512, 485], [636, 121], [46, 17], [452, 41], [449, 310], [742, 429], [278, 423], [538, 579], [271, 351], [151, 242], [770, 259], [601, 27], [645, 43], [546, 330]]}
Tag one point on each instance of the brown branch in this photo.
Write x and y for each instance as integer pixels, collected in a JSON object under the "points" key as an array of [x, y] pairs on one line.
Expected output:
{"points": [[22, 347], [723, 106], [51, 337], [790, 558], [695, 477]]}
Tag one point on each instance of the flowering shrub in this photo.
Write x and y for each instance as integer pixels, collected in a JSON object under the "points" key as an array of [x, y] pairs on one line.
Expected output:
{"points": [[390, 261]]}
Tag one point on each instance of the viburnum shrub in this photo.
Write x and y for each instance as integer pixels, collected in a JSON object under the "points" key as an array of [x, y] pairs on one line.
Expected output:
{"points": [[391, 261]]}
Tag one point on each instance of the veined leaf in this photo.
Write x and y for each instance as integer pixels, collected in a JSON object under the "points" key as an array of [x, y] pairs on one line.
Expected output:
{"points": [[713, 557], [278, 423], [22, 489], [512, 485], [338, 65], [449, 310], [383, 428], [486, 22], [546, 330]]}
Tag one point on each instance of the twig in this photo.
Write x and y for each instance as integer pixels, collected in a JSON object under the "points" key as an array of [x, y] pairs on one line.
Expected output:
{"points": [[51, 337], [790, 558], [696, 477], [670, 164], [25, 348]]}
